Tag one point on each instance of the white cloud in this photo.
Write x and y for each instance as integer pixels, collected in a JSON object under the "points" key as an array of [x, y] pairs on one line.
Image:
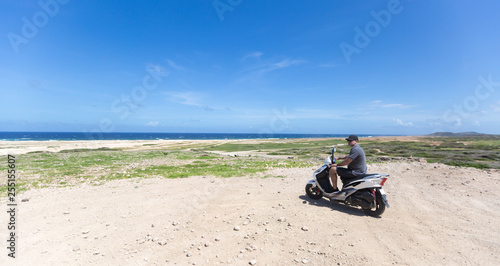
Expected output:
{"points": [[267, 66], [188, 98], [155, 68], [381, 104], [282, 64], [401, 123], [176, 66], [152, 124], [259, 67], [252, 55], [185, 98]]}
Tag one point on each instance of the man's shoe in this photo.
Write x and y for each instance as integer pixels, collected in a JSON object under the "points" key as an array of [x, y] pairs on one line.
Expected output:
{"points": [[333, 196]]}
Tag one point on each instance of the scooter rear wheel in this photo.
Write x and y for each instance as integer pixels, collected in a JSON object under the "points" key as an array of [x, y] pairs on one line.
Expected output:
{"points": [[379, 206], [313, 192]]}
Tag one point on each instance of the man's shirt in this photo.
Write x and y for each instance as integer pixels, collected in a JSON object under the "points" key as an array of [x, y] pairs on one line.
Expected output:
{"points": [[358, 164]]}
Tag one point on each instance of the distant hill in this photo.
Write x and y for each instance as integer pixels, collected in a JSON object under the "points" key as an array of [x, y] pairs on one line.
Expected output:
{"points": [[460, 134]]}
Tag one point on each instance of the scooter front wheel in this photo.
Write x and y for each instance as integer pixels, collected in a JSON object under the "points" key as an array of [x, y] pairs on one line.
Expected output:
{"points": [[313, 192]]}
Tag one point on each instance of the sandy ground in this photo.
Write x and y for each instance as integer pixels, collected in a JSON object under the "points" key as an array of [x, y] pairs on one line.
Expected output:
{"points": [[439, 215], [23, 147]]}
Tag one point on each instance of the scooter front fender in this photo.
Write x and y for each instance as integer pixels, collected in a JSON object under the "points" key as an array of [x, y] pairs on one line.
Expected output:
{"points": [[312, 182]]}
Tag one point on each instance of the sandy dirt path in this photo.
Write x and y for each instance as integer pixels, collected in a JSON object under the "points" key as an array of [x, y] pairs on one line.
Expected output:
{"points": [[439, 215], [23, 147]]}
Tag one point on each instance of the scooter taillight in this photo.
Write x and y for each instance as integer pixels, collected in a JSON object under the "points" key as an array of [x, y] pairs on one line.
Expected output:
{"points": [[383, 181]]}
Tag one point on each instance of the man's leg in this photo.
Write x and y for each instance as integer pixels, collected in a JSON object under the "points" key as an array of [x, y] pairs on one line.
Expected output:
{"points": [[333, 177], [344, 174]]}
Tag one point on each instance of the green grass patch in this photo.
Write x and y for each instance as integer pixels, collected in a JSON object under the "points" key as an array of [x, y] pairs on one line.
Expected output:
{"points": [[70, 167], [60, 169], [229, 168], [290, 146]]}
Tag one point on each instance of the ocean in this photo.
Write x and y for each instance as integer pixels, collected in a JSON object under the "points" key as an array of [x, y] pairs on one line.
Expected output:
{"points": [[54, 136]]}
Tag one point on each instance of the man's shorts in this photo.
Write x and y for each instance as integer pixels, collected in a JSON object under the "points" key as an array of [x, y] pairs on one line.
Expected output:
{"points": [[345, 173]]}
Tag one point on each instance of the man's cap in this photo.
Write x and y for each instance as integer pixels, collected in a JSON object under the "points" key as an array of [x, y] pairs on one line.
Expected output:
{"points": [[352, 137]]}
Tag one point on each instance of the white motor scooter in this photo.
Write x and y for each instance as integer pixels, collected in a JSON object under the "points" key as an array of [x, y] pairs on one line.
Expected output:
{"points": [[364, 191]]}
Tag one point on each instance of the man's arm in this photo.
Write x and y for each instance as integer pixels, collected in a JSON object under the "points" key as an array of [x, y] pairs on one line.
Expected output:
{"points": [[345, 162]]}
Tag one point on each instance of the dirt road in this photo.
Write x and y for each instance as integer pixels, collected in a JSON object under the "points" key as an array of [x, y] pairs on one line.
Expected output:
{"points": [[439, 215]]}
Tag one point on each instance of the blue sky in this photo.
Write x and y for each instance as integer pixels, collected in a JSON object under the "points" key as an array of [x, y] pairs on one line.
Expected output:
{"points": [[241, 66]]}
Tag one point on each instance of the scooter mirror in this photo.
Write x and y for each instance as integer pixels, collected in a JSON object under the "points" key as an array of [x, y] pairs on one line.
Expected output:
{"points": [[334, 150]]}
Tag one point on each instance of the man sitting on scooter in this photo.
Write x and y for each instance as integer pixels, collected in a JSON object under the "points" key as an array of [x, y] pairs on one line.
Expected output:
{"points": [[355, 161]]}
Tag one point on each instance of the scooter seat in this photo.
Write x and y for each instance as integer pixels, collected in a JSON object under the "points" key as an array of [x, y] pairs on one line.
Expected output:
{"points": [[365, 175], [347, 180]]}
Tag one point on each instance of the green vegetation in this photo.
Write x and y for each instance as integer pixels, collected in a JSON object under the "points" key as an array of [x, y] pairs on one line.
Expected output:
{"points": [[481, 152], [469, 151], [283, 147], [70, 167]]}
